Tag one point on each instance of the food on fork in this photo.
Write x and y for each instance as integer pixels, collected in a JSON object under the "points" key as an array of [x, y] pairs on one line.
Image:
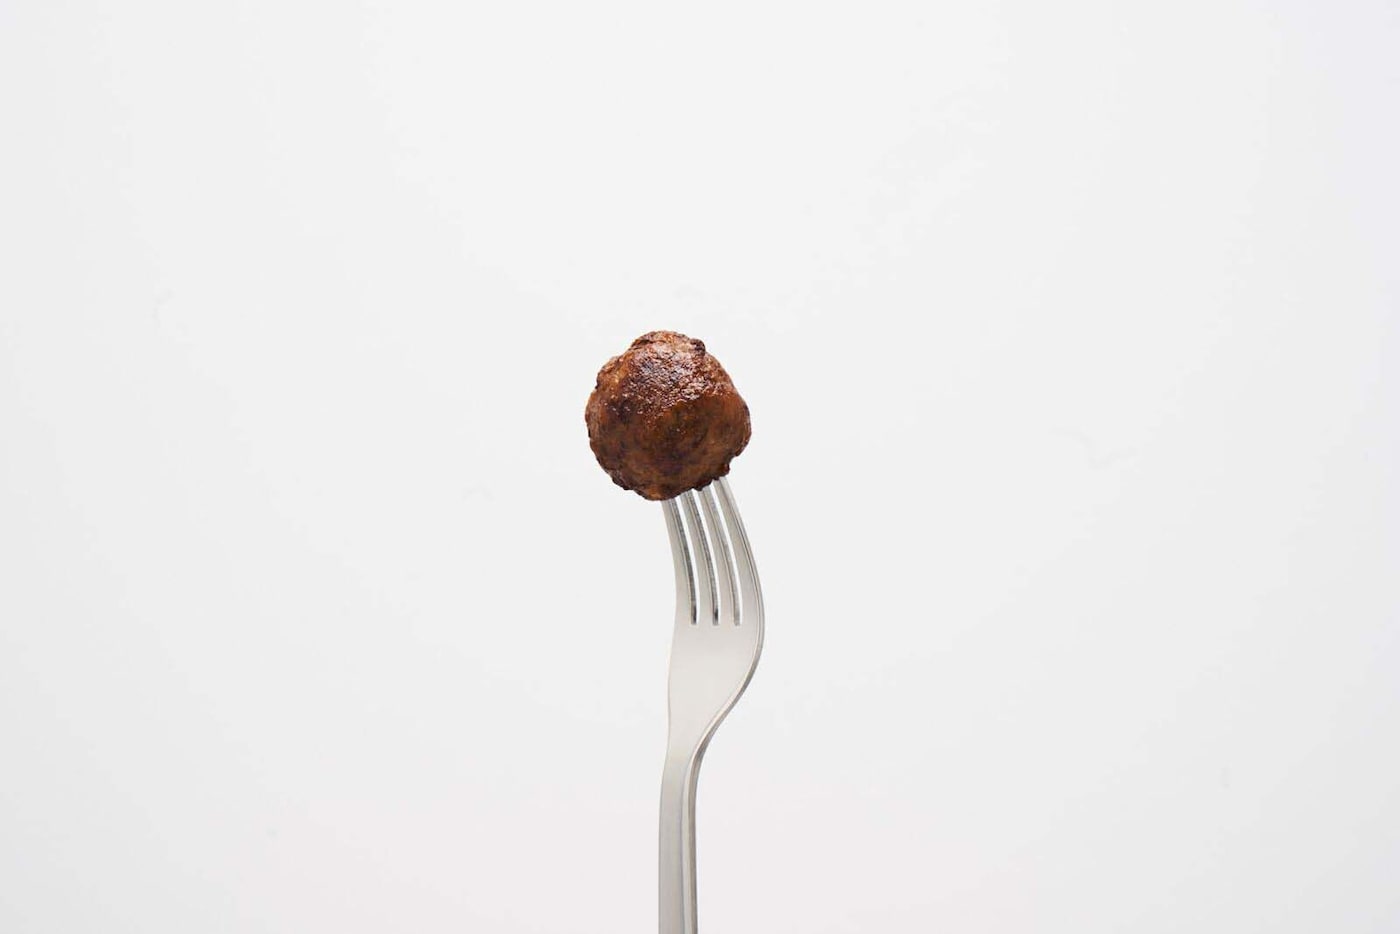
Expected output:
{"points": [[665, 417]]}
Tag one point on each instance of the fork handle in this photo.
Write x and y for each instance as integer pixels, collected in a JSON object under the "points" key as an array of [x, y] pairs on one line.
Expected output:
{"points": [[677, 889]]}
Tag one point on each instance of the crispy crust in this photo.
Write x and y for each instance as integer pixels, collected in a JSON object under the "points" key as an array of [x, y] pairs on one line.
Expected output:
{"points": [[664, 417]]}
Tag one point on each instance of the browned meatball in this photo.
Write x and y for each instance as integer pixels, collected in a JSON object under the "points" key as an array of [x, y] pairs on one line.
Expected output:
{"points": [[665, 417]]}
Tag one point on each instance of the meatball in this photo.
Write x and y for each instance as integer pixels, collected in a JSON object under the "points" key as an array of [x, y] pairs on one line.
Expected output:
{"points": [[664, 416]]}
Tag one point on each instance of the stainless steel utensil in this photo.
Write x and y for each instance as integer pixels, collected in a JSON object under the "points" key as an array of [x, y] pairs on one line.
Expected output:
{"points": [[714, 650]]}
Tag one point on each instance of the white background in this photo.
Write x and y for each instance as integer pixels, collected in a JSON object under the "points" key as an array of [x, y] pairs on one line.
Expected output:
{"points": [[1070, 331]]}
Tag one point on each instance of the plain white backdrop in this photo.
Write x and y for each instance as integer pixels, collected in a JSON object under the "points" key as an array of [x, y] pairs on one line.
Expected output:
{"points": [[1070, 332]]}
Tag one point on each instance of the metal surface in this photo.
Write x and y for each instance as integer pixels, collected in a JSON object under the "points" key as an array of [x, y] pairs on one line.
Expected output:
{"points": [[714, 650]]}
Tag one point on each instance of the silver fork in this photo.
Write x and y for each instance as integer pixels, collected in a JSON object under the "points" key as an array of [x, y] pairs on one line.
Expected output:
{"points": [[714, 650]]}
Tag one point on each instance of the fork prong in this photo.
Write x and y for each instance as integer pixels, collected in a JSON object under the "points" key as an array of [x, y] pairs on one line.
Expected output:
{"points": [[749, 589], [724, 558], [704, 564], [680, 556]]}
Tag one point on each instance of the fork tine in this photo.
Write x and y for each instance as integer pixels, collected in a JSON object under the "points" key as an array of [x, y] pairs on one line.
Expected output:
{"points": [[704, 564], [680, 555], [743, 556], [724, 558]]}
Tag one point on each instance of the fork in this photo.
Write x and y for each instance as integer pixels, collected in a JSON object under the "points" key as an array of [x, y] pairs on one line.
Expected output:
{"points": [[714, 651]]}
